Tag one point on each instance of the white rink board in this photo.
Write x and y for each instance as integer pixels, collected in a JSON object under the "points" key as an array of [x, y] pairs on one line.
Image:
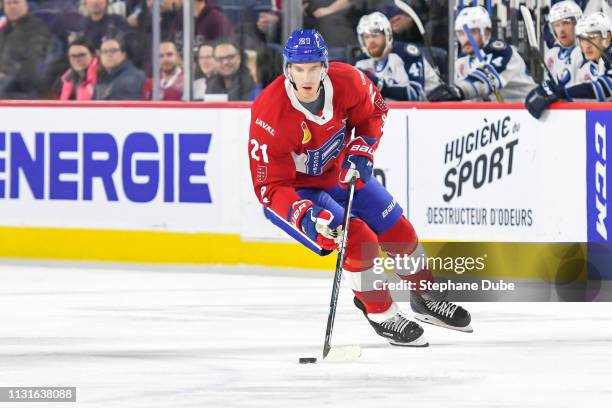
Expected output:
{"points": [[219, 164], [545, 178], [548, 174]]}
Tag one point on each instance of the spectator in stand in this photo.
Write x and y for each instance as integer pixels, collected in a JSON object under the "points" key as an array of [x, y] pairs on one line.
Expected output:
{"points": [[170, 10], [210, 23], [269, 65], [118, 78], [79, 82], [436, 26], [98, 23], [261, 25], [335, 20], [170, 14], [24, 45], [205, 69], [402, 25], [171, 74], [233, 77]]}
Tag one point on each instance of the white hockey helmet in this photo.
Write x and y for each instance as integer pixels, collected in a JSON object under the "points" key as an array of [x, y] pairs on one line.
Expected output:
{"points": [[473, 17], [563, 10], [369, 23], [594, 23]]}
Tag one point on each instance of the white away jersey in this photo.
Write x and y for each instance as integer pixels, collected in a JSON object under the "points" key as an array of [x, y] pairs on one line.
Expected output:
{"points": [[564, 63], [404, 66], [512, 79], [588, 71]]}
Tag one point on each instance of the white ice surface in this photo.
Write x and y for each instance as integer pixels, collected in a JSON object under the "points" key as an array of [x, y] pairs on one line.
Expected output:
{"points": [[231, 337]]}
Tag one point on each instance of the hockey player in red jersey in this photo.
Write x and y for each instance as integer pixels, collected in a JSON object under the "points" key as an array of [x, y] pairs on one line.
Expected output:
{"points": [[303, 152]]}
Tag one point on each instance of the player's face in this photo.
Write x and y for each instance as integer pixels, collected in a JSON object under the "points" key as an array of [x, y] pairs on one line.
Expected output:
{"points": [[590, 49], [466, 46], [564, 30], [307, 78], [375, 42]]}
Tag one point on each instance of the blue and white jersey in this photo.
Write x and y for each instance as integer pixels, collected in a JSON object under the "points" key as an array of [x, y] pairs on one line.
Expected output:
{"points": [[564, 63], [507, 73], [404, 75], [587, 71], [599, 86]]}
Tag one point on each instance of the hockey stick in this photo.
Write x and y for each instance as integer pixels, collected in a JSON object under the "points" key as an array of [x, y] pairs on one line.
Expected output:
{"points": [[346, 353], [417, 20], [533, 42], [480, 55], [352, 352]]}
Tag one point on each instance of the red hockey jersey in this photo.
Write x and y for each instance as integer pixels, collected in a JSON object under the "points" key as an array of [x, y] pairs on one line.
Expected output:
{"points": [[290, 148]]}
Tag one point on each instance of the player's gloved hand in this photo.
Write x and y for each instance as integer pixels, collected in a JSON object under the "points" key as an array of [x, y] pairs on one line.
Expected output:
{"points": [[316, 222], [541, 97], [491, 73], [445, 92], [486, 73], [359, 161]]}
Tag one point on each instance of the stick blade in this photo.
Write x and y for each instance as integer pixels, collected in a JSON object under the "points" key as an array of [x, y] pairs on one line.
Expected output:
{"points": [[529, 27], [343, 354], [410, 11]]}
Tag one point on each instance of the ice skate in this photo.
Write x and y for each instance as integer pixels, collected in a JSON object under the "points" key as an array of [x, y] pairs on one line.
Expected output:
{"points": [[397, 329], [440, 313]]}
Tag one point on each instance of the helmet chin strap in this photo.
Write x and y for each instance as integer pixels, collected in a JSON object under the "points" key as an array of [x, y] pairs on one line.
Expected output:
{"points": [[323, 75]]}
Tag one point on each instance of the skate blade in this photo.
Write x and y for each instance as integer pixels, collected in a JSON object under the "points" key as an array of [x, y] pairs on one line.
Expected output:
{"points": [[343, 354], [437, 322], [420, 342]]}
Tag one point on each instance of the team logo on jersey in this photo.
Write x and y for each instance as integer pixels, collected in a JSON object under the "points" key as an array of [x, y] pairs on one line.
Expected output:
{"points": [[316, 160], [262, 173], [307, 135], [413, 50], [498, 45]]}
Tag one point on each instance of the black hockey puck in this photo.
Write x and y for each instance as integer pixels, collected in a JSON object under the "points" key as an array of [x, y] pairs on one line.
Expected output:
{"points": [[307, 360]]}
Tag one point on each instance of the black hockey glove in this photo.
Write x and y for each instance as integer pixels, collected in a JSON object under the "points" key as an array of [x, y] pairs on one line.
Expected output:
{"points": [[445, 92], [541, 97]]}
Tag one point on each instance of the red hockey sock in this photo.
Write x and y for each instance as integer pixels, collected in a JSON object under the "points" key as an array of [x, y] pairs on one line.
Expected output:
{"points": [[361, 249], [401, 239]]}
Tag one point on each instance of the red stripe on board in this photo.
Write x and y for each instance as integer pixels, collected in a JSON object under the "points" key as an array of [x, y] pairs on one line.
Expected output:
{"points": [[247, 105], [124, 104]]}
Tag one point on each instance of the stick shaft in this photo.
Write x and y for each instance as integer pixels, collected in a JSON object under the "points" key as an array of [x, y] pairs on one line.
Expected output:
{"points": [[533, 42], [481, 57], [333, 303]]}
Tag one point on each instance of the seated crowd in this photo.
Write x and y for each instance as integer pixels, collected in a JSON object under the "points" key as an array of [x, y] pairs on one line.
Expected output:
{"points": [[102, 49]]}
